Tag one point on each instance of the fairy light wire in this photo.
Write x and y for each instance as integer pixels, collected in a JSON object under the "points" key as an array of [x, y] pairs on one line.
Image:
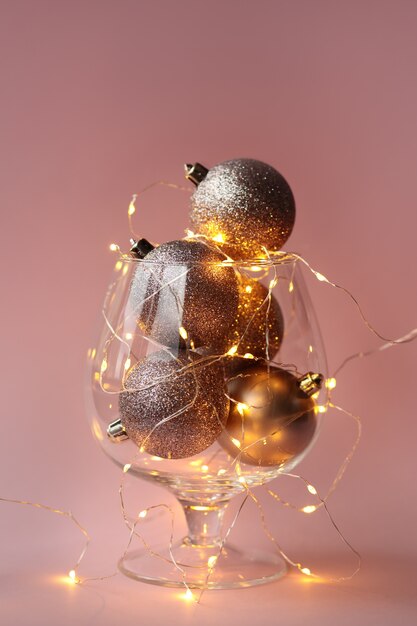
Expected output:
{"points": [[322, 502]]}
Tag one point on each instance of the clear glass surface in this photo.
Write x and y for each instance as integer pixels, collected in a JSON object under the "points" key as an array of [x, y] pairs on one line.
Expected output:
{"points": [[144, 317]]}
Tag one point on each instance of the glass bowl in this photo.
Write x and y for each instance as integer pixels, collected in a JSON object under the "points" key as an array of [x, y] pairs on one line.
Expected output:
{"points": [[205, 378]]}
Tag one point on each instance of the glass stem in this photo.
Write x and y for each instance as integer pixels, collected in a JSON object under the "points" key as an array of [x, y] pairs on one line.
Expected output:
{"points": [[204, 523]]}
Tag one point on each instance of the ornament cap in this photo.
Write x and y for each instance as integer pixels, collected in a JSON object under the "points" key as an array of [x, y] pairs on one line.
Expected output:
{"points": [[310, 383], [116, 431], [140, 248], [195, 172]]}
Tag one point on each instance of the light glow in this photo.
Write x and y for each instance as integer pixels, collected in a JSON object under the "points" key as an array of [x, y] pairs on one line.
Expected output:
{"points": [[188, 595], [241, 407], [310, 508], [183, 332], [330, 383], [72, 576]]}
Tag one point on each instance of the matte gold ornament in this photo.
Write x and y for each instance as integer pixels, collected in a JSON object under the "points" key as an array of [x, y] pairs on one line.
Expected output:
{"points": [[271, 418], [245, 206], [173, 407], [259, 325], [181, 291]]}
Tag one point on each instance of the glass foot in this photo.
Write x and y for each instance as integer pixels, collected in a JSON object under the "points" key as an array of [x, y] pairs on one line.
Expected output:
{"points": [[233, 569]]}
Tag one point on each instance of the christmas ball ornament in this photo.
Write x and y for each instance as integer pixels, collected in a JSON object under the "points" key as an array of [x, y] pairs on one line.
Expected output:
{"points": [[245, 205], [173, 407], [272, 417], [259, 325], [181, 293]]}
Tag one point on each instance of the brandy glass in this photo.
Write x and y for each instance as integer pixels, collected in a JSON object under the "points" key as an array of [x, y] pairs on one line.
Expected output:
{"points": [[129, 408]]}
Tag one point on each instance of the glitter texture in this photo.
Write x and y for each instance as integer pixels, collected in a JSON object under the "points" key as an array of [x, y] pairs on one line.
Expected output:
{"points": [[174, 407], [183, 287], [248, 204], [256, 315], [277, 422]]}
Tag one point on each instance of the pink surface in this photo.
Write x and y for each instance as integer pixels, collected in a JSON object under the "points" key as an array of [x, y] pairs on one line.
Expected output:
{"points": [[98, 100]]}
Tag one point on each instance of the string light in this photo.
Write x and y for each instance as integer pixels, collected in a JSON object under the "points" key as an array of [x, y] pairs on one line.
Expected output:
{"points": [[183, 332], [211, 561], [330, 385], [309, 508], [188, 595], [72, 576], [242, 407]]}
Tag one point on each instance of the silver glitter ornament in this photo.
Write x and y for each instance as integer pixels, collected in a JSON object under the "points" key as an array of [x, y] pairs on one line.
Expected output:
{"points": [[259, 325], [182, 292], [174, 407], [245, 205]]}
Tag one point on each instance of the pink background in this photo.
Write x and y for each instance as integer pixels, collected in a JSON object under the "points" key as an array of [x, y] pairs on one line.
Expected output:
{"points": [[100, 99]]}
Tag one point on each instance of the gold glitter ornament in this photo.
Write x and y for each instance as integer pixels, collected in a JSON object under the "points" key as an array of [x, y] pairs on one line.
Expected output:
{"points": [[271, 418], [245, 206], [173, 408], [181, 292], [259, 325]]}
